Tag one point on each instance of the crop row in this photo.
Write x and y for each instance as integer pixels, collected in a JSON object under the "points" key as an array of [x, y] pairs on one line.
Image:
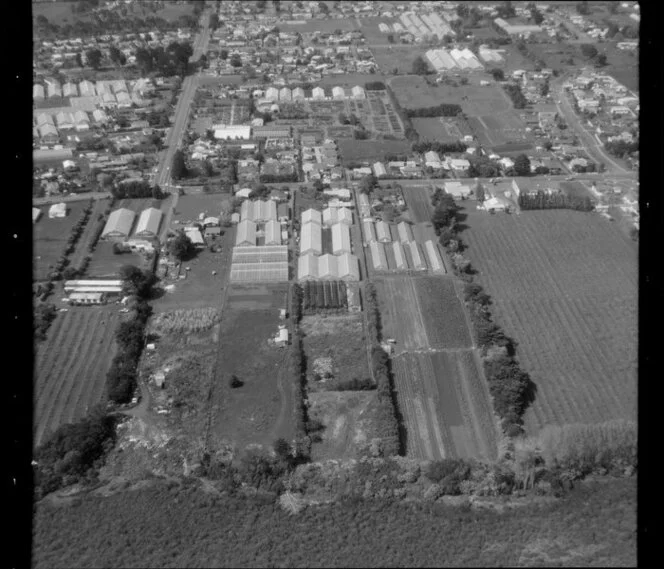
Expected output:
{"points": [[324, 295]]}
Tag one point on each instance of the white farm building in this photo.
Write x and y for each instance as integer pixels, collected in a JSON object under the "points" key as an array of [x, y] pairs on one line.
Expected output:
{"points": [[311, 239], [148, 223], [119, 224], [340, 238], [246, 234], [378, 257]]}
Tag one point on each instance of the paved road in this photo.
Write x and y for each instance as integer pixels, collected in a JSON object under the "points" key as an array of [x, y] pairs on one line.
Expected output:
{"points": [[590, 143], [163, 177]]}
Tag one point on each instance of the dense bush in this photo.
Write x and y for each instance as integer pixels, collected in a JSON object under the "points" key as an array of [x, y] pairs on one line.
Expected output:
{"points": [[74, 452], [300, 417], [372, 312], [296, 303], [555, 200], [374, 86], [137, 189], [44, 314], [278, 178], [516, 95], [386, 419], [355, 384], [440, 147]]}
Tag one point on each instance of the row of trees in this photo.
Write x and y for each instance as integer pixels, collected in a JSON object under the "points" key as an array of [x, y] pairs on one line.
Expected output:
{"points": [[440, 147], [442, 110], [374, 86], [622, 148], [279, 178], [555, 200], [174, 60], [137, 189]]}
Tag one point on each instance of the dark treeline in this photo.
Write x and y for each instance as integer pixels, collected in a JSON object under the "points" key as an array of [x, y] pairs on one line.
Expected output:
{"points": [[442, 110], [555, 200], [440, 147]]}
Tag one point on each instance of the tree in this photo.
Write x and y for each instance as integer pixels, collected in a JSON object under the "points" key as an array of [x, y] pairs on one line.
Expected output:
{"points": [[548, 145], [583, 8], [479, 192], [537, 17], [79, 59], [179, 168], [282, 449], [116, 56], [94, 58], [498, 74], [613, 7], [368, 183], [236, 61], [137, 282], [544, 89], [420, 66], [390, 38], [181, 247], [588, 50], [235, 382], [318, 186], [223, 54], [600, 60], [522, 165]]}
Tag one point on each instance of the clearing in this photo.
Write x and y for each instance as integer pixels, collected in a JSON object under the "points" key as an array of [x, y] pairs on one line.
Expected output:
{"points": [[564, 286], [370, 151]]}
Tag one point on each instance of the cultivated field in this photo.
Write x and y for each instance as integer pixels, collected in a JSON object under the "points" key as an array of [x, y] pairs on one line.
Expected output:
{"points": [[419, 203], [445, 404], [422, 313], [370, 150], [349, 420], [564, 286], [71, 366], [340, 338], [398, 57], [50, 237], [440, 129]]}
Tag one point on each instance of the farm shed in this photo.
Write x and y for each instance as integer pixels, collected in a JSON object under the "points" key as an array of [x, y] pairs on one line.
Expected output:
{"points": [[272, 94], [282, 337], [405, 232], [399, 256], [119, 224], [383, 232], [348, 267], [433, 255], [57, 210], [246, 234], [339, 215], [358, 92], [87, 89], [210, 221], [338, 92], [379, 169], [148, 222], [36, 214], [327, 267], [311, 239], [48, 132], [44, 118], [340, 238], [418, 262], [84, 298], [37, 91], [195, 236], [369, 231], [318, 93], [69, 90], [378, 257], [259, 272], [307, 267], [261, 254], [272, 233], [285, 94], [457, 189], [311, 216], [298, 93]]}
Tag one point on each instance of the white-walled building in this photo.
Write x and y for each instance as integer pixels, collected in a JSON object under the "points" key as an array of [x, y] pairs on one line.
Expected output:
{"points": [[311, 239], [340, 238]]}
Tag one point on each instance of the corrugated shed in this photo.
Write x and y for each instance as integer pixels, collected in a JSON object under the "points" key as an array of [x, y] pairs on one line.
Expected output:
{"points": [[405, 232], [148, 222], [433, 255], [369, 231], [307, 267], [399, 256], [246, 234], [344, 215], [311, 216], [416, 255], [327, 267], [340, 238], [311, 239], [378, 257], [272, 233], [348, 267], [383, 232], [119, 223]]}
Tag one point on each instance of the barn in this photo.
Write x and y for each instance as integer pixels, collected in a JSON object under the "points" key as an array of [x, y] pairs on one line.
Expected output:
{"points": [[119, 224], [378, 257], [246, 234], [399, 256], [148, 223], [327, 267], [340, 238], [433, 255], [405, 232], [311, 239], [383, 232]]}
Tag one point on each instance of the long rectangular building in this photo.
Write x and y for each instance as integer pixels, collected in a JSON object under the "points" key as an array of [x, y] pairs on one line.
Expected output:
{"points": [[340, 238], [433, 255], [311, 239], [378, 257]]}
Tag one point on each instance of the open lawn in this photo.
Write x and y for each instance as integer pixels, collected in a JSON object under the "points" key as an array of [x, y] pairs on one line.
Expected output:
{"points": [[71, 365], [340, 338], [440, 129], [348, 417], [106, 264], [445, 404], [398, 57], [190, 207], [259, 411], [564, 286], [370, 150], [50, 237]]}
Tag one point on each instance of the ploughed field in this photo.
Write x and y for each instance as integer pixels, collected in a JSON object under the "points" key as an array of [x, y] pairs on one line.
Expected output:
{"points": [[564, 285], [441, 393], [71, 366]]}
